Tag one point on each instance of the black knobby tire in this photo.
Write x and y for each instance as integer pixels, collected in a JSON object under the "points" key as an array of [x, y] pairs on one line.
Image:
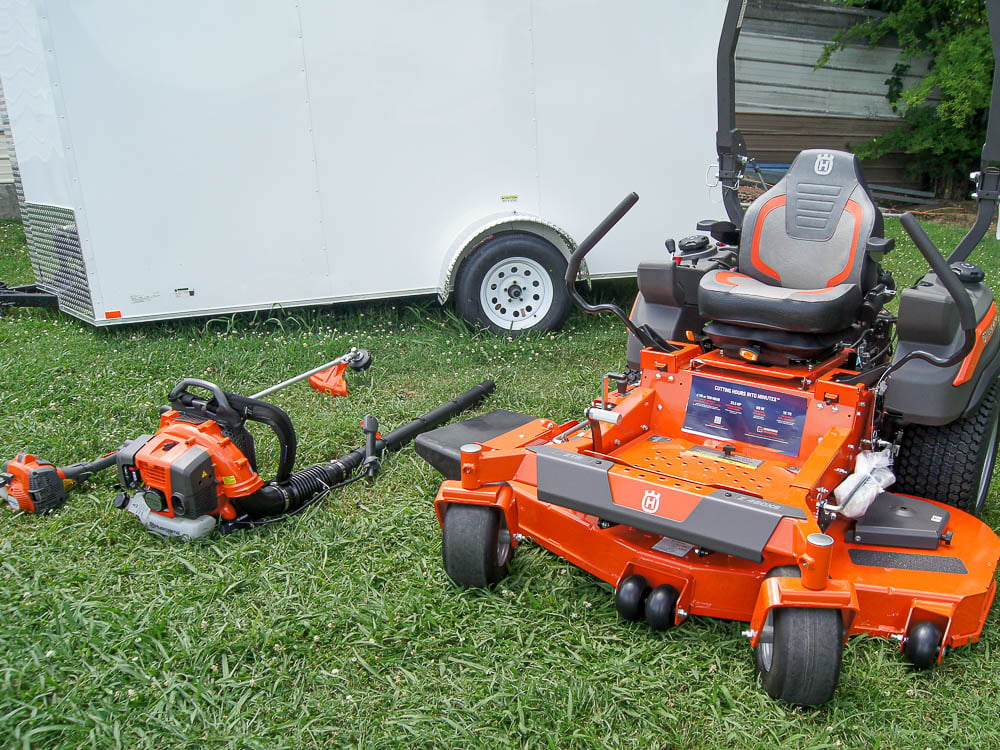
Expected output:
{"points": [[476, 545], [514, 283], [799, 651], [952, 463]]}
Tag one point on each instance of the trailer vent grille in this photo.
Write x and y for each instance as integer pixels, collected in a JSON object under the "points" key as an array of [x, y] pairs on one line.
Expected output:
{"points": [[56, 257]]}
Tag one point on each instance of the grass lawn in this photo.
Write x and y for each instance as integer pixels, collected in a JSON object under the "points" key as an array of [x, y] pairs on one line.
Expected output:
{"points": [[340, 627]]}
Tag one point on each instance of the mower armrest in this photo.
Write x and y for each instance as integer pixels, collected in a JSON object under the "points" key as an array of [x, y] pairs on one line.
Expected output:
{"points": [[879, 247], [722, 231]]}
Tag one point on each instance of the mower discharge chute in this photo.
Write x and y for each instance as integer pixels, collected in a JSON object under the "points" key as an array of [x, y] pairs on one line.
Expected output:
{"points": [[771, 455]]}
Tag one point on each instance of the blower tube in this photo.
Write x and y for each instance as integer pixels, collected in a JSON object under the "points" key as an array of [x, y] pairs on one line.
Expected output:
{"points": [[289, 495]]}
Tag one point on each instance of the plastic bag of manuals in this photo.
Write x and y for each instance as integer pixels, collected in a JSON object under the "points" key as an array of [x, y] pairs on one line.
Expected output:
{"points": [[871, 475]]}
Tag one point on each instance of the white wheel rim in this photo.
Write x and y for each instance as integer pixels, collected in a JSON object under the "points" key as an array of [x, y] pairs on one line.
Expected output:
{"points": [[516, 293]]}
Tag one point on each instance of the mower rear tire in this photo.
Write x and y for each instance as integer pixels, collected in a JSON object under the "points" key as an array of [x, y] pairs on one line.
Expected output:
{"points": [[952, 463], [476, 545], [514, 283]]}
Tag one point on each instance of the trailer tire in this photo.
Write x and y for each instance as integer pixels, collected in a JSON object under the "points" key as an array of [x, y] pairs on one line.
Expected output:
{"points": [[931, 465], [514, 283], [476, 545]]}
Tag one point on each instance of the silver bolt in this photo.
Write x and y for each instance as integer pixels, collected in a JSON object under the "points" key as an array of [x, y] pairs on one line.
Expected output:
{"points": [[670, 378], [749, 633], [681, 612]]}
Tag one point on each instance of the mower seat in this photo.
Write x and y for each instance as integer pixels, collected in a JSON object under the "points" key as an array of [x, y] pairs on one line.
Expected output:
{"points": [[808, 256]]}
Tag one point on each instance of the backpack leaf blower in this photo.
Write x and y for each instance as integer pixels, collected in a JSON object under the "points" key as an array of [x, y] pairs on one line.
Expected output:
{"points": [[199, 471]]}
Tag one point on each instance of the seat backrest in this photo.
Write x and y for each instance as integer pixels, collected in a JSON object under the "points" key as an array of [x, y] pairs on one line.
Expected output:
{"points": [[811, 230]]}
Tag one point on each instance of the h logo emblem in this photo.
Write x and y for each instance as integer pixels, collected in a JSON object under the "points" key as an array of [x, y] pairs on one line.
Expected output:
{"points": [[651, 501], [824, 164]]}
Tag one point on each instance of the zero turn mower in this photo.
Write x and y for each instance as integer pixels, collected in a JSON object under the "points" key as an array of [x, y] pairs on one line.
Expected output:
{"points": [[783, 450]]}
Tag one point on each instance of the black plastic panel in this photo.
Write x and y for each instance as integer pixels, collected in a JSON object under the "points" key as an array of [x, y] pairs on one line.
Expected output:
{"points": [[899, 521], [441, 448], [723, 521], [907, 561]]}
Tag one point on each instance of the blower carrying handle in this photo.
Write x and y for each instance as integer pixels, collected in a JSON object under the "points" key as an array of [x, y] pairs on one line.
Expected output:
{"points": [[232, 410], [181, 398]]}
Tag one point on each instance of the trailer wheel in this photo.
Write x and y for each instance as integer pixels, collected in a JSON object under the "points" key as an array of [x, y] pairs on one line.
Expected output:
{"points": [[798, 654], [476, 545], [514, 283], [952, 463]]}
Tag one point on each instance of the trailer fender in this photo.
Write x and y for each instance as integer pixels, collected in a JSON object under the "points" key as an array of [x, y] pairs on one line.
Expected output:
{"points": [[476, 235]]}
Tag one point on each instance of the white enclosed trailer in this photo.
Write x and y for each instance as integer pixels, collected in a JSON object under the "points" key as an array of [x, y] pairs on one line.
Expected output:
{"points": [[197, 158]]}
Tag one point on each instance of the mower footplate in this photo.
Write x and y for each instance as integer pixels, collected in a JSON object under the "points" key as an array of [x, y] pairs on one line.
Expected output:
{"points": [[723, 521]]}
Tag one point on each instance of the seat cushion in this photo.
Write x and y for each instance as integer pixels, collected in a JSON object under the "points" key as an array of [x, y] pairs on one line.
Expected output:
{"points": [[735, 298]]}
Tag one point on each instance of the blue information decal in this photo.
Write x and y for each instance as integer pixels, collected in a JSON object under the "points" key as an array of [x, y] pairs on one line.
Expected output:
{"points": [[734, 411]]}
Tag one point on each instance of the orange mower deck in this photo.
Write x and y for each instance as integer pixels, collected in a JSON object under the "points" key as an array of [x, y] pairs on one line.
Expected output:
{"points": [[710, 518]]}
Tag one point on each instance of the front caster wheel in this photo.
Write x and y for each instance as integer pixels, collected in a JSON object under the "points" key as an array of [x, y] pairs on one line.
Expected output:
{"points": [[922, 644], [661, 607], [476, 545], [798, 654], [630, 597]]}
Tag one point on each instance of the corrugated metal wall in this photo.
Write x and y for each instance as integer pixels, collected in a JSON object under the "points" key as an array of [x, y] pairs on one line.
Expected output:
{"points": [[6, 176], [785, 105]]}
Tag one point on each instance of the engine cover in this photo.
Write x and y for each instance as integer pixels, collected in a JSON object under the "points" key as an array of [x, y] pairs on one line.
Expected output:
{"points": [[188, 469]]}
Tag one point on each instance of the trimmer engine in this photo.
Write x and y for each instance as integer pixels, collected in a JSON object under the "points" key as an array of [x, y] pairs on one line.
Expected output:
{"points": [[29, 483]]}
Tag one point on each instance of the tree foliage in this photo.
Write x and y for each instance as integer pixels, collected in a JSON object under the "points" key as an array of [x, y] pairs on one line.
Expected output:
{"points": [[944, 114]]}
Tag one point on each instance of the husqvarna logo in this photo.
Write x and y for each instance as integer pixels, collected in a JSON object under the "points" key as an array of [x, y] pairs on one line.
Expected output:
{"points": [[651, 501], [824, 164], [990, 330]]}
